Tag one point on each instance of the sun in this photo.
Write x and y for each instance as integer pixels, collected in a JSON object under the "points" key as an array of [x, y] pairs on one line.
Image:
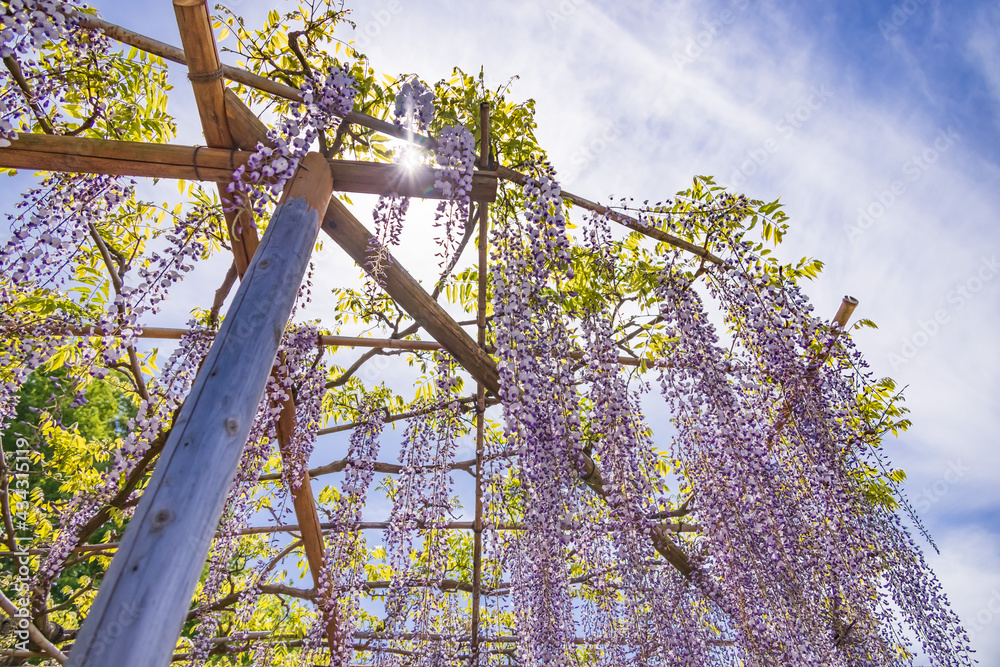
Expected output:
{"points": [[411, 159]]}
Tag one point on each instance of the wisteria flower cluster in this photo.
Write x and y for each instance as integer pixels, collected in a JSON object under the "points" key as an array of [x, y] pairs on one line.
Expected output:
{"points": [[26, 28], [414, 107], [542, 416], [345, 555], [326, 101], [455, 154], [28, 25], [421, 507], [54, 220]]}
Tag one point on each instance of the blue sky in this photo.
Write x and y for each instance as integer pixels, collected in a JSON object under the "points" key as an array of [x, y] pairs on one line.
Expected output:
{"points": [[876, 122]]}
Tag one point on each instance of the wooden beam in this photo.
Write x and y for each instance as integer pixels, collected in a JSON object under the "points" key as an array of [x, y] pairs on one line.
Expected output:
{"points": [[418, 181], [204, 70], [131, 158], [246, 128], [302, 498], [144, 598], [121, 158]]}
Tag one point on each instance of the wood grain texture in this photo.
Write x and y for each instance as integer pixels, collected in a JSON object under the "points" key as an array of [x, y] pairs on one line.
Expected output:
{"points": [[124, 158], [144, 598], [202, 55]]}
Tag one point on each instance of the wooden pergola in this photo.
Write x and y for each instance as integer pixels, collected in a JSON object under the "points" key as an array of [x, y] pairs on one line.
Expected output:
{"points": [[156, 566]]}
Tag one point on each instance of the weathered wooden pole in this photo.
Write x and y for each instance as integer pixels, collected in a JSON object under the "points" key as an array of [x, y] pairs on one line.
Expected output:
{"points": [[146, 592]]}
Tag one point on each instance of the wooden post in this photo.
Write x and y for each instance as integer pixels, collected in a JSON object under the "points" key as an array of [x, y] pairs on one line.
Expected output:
{"points": [[144, 598]]}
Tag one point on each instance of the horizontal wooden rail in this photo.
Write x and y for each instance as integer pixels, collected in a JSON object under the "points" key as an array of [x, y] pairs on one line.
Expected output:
{"points": [[201, 163], [166, 333], [378, 466], [665, 526]]}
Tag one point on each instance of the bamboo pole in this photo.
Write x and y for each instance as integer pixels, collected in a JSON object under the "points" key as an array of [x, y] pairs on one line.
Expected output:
{"points": [[379, 467], [168, 333], [477, 547], [666, 526], [46, 152], [847, 306], [152, 577], [205, 75], [622, 219]]}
